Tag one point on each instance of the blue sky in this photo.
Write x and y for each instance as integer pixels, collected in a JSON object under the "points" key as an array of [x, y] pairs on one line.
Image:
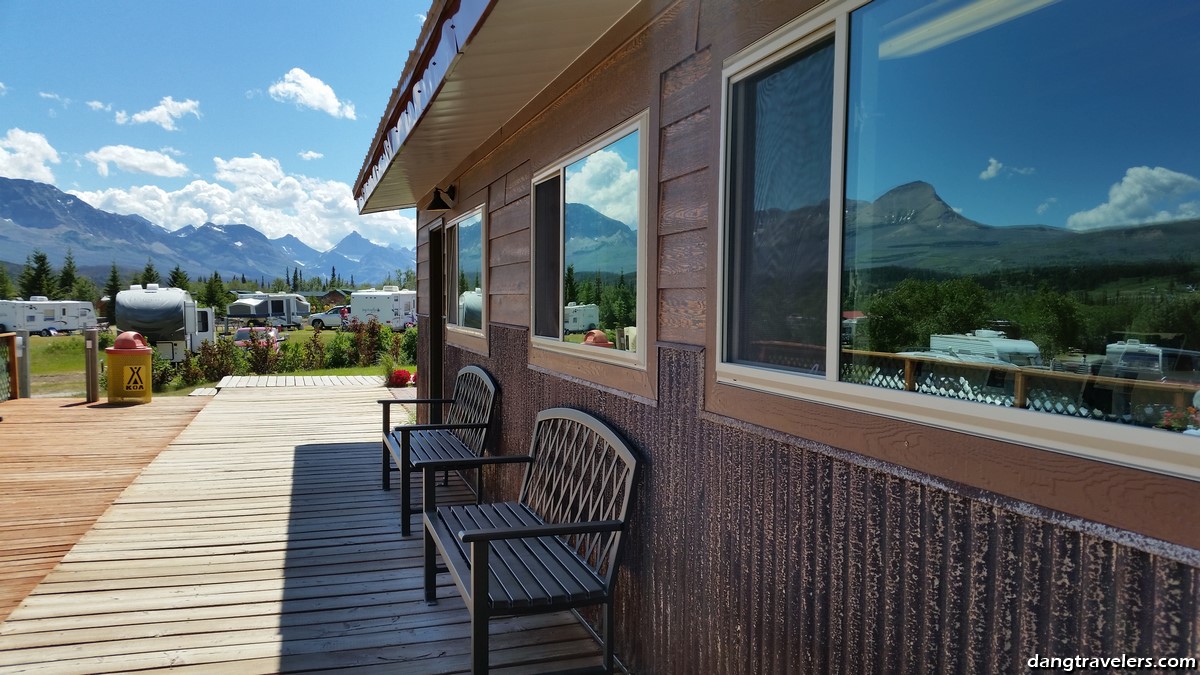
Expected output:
{"points": [[1081, 113], [185, 112]]}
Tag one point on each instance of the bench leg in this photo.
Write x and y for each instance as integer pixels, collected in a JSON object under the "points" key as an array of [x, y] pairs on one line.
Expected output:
{"points": [[427, 479], [386, 477], [386, 480], [479, 608], [405, 486]]}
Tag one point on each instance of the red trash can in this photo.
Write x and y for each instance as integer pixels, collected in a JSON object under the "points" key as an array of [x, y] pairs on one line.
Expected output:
{"points": [[129, 369]]}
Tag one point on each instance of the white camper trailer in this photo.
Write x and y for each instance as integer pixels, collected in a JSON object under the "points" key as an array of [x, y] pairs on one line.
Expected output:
{"points": [[42, 316], [167, 317], [390, 306], [580, 318], [282, 310]]}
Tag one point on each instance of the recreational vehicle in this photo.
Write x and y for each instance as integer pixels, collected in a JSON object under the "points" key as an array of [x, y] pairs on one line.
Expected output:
{"points": [[43, 316], [167, 317], [390, 306], [282, 310], [580, 318]]}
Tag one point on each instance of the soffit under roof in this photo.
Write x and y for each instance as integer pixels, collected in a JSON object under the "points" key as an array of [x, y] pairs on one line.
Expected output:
{"points": [[520, 47]]}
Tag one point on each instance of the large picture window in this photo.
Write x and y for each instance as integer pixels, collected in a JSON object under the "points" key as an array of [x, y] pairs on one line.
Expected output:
{"points": [[588, 246], [466, 289], [1000, 209]]}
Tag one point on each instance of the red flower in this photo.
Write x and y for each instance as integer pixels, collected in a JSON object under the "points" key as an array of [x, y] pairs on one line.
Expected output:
{"points": [[399, 378]]}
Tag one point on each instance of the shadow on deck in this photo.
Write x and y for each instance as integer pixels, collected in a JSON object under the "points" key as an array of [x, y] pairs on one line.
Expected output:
{"points": [[260, 541]]}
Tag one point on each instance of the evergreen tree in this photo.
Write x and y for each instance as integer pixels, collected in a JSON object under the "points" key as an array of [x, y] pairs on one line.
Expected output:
{"points": [[37, 278], [111, 288], [243, 277], [179, 279], [67, 278], [84, 289], [463, 287], [570, 288], [7, 290], [214, 293], [408, 279], [296, 280], [150, 275]]}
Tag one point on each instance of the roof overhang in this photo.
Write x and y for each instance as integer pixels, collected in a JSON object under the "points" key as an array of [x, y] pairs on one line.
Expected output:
{"points": [[478, 64]]}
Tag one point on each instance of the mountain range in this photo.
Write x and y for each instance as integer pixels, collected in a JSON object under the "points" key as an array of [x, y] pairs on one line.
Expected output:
{"points": [[37, 216]]}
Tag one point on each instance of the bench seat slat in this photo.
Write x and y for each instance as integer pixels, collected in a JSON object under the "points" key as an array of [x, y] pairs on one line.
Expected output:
{"points": [[524, 573]]}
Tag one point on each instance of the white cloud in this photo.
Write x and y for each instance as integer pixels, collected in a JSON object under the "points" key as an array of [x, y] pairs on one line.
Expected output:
{"points": [[55, 97], [164, 114], [992, 170], [3, 89], [995, 167], [310, 155], [135, 160], [606, 183], [26, 154], [256, 191], [307, 91], [1046, 205], [421, 18], [97, 105], [1144, 195]]}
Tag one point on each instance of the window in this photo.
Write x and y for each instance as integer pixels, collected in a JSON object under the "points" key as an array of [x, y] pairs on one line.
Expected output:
{"points": [[465, 278], [929, 201], [589, 243]]}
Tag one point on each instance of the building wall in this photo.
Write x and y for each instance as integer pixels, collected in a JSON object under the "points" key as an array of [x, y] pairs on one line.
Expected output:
{"points": [[782, 536]]}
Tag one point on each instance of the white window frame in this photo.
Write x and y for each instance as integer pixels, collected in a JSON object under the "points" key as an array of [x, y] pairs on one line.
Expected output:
{"points": [[636, 359], [452, 296], [1160, 451]]}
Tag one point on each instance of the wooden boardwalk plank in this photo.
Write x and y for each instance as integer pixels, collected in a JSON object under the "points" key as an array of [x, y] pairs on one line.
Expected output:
{"points": [[259, 541], [62, 462]]}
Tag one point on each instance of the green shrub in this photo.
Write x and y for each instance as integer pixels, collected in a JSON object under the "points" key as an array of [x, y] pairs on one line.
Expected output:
{"points": [[291, 357], [107, 339], [365, 341], [190, 372], [407, 352], [261, 357], [221, 358], [162, 371], [313, 355], [339, 353]]}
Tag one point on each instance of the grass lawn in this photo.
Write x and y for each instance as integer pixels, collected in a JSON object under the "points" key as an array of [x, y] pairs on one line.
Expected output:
{"points": [[57, 366]]}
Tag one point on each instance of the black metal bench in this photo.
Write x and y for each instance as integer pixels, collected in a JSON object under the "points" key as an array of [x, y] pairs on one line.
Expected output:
{"points": [[457, 443], [554, 549]]}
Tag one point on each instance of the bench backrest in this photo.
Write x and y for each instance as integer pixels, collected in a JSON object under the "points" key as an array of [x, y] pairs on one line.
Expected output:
{"points": [[582, 471], [474, 398]]}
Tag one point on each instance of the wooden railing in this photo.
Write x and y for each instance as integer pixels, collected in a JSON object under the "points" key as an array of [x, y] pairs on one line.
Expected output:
{"points": [[10, 386], [1042, 389], [1038, 388]]}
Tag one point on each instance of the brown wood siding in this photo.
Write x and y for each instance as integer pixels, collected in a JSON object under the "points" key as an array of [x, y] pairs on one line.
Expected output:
{"points": [[755, 551], [794, 537]]}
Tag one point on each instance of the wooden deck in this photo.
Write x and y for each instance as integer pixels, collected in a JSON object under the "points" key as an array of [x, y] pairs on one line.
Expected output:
{"points": [[259, 541], [62, 463]]}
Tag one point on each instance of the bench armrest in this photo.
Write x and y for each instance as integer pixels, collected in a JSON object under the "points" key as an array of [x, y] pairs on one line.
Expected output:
{"points": [[471, 462], [435, 427], [393, 401], [546, 530]]}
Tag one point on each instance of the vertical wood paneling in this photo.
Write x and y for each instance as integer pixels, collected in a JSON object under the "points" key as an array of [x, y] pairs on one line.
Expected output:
{"points": [[751, 554]]}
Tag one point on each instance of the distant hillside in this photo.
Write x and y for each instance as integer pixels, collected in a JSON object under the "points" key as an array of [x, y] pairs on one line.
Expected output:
{"points": [[911, 226], [597, 243], [37, 216]]}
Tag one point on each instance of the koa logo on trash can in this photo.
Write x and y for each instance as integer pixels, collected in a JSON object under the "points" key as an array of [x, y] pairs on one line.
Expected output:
{"points": [[134, 380]]}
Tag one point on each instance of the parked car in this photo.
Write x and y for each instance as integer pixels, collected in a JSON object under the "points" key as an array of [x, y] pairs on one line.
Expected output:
{"points": [[330, 317], [242, 336]]}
